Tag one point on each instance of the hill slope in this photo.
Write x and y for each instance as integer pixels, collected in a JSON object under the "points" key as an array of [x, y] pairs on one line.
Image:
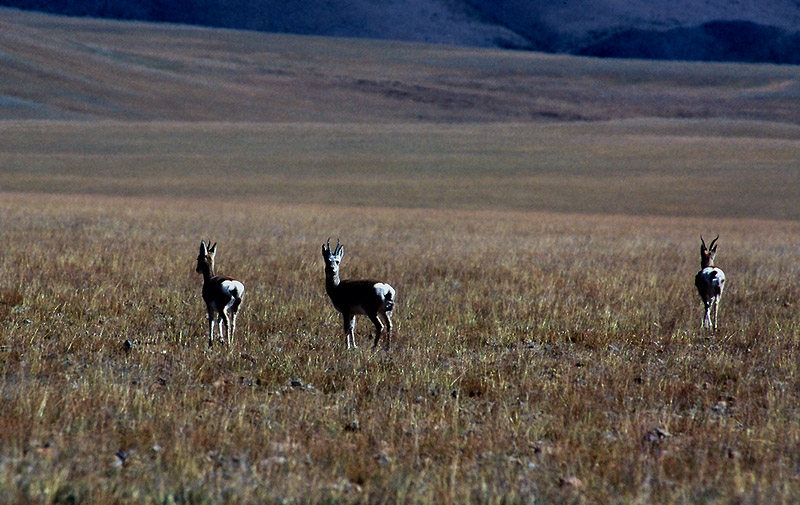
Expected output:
{"points": [[57, 67], [718, 30]]}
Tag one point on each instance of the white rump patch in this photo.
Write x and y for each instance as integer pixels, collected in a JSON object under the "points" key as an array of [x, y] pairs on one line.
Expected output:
{"points": [[384, 291], [231, 287], [714, 277]]}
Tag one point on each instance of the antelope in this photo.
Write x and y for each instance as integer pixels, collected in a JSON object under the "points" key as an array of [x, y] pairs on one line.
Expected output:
{"points": [[223, 295], [710, 282], [371, 298]]}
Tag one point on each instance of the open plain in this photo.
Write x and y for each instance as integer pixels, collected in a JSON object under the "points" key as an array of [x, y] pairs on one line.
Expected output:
{"points": [[539, 216]]}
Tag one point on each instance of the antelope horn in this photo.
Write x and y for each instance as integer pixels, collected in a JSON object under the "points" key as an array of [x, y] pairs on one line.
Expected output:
{"points": [[713, 242]]}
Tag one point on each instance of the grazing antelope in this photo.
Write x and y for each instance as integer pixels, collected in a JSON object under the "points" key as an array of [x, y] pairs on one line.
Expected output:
{"points": [[351, 297], [222, 295], [710, 282]]}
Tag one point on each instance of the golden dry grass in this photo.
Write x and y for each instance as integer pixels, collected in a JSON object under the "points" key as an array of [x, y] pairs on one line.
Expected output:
{"points": [[539, 358]]}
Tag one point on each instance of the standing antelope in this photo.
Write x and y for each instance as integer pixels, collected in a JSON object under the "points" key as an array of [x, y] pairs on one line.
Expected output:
{"points": [[351, 297], [710, 282], [222, 295]]}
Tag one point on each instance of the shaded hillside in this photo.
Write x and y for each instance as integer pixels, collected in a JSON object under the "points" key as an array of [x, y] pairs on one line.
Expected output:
{"points": [[707, 30], [77, 68], [715, 41]]}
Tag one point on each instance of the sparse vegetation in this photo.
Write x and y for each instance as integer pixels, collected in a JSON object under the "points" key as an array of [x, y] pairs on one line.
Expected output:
{"points": [[539, 357]]}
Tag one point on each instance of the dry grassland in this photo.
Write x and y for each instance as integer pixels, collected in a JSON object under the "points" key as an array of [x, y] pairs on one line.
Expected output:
{"points": [[712, 168], [548, 347], [539, 358]]}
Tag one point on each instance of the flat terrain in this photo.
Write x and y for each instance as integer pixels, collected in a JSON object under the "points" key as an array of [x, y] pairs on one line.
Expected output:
{"points": [[538, 216], [710, 168]]}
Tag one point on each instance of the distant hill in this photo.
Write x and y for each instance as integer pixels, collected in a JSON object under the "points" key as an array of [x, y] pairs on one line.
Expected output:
{"points": [[78, 68], [704, 30]]}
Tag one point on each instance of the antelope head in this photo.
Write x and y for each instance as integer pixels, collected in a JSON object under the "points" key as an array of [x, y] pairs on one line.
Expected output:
{"points": [[206, 256], [707, 253], [332, 258]]}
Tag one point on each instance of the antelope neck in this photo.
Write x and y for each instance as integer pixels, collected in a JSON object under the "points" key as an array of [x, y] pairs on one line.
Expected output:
{"points": [[331, 281], [206, 270]]}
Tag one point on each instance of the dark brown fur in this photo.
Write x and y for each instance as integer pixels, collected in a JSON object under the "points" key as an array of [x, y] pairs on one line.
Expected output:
{"points": [[353, 297], [220, 302]]}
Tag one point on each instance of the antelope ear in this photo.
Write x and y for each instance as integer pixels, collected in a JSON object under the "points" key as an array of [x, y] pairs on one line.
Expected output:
{"points": [[203, 248], [340, 255], [213, 249], [703, 244], [713, 244]]}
